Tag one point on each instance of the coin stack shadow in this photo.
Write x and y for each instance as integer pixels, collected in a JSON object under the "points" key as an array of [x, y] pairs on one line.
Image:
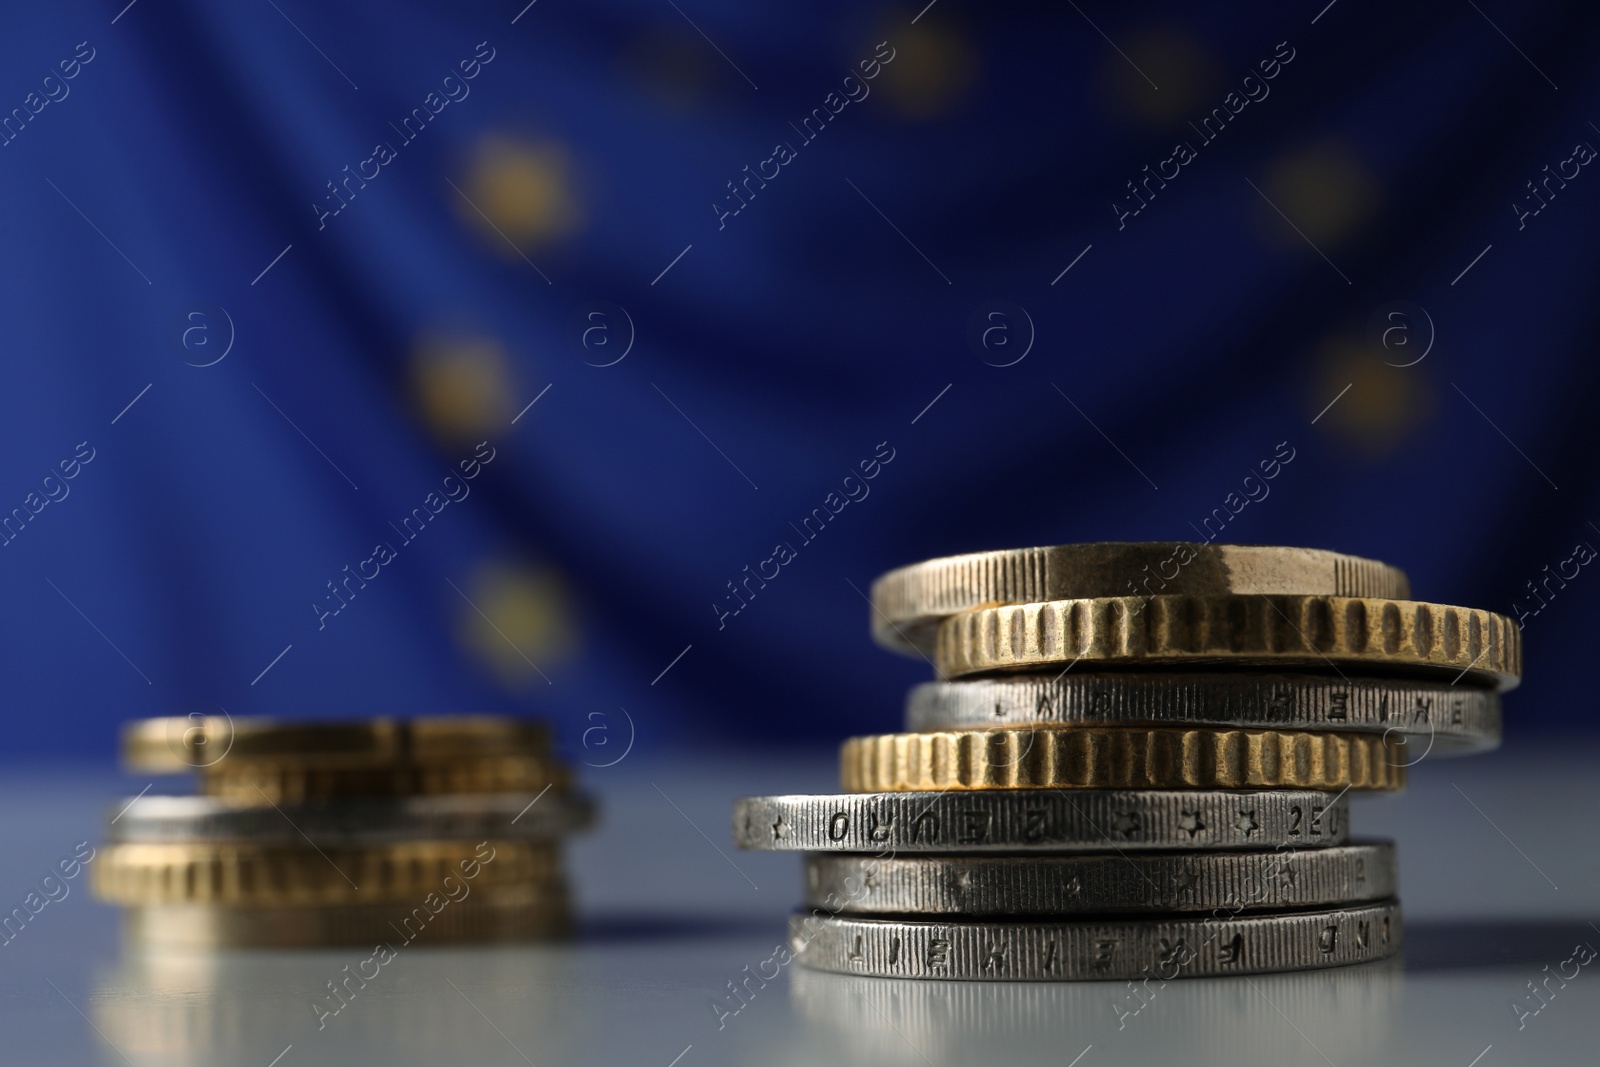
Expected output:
{"points": [[435, 830], [1135, 765]]}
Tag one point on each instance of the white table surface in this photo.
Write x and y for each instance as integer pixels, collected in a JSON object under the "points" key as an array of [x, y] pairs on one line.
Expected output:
{"points": [[668, 921]]}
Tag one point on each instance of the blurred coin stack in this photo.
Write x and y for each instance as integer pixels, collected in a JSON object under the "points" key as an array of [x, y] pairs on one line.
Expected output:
{"points": [[437, 830], [1136, 764]]}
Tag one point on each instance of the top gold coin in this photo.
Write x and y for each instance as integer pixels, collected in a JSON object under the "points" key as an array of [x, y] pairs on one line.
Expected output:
{"points": [[168, 745], [909, 603]]}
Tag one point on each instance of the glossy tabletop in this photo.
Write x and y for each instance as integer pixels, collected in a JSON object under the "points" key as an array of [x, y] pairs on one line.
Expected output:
{"points": [[1500, 877]]}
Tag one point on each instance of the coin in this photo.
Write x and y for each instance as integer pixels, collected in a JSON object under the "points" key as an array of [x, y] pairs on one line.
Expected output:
{"points": [[264, 782], [908, 603], [1317, 632], [245, 874], [1047, 757], [1103, 884], [502, 914], [353, 822], [1016, 820], [171, 744], [1442, 719], [1096, 949]]}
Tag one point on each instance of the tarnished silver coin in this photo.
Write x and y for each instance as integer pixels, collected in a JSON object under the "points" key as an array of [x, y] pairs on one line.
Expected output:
{"points": [[1102, 884], [1026, 820], [1096, 949], [354, 822], [1431, 718]]}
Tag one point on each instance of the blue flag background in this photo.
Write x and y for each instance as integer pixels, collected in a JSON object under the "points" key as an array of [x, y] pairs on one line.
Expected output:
{"points": [[412, 358]]}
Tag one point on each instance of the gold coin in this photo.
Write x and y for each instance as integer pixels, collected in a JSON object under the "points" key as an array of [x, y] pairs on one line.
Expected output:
{"points": [[504, 913], [239, 874], [909, 603], [1118, 758], [174, 743], [263, 782], [1321, 632]]}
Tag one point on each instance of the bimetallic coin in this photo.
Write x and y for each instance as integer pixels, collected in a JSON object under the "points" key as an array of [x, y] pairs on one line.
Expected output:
{"points": [[1085, 757], [243, 874], [353, 822], [506, 913], [909, 603], [1435, 718], [1033, 820], [1096, 949], [172, 744], [1104, 884], [265, 782], [1286, 632]]}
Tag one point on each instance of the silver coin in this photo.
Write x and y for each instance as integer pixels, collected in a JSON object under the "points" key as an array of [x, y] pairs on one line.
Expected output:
{"points": [[1429, 717], [1026, 820], [353, 822], [1096, 949], [1106, 883]]}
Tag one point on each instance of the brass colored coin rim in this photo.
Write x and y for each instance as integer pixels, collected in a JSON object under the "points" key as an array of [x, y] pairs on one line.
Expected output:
{"points": [[909, 602], [245, 874], [172, 744], [498, 914], [260, 782], [1370, 633], [1077, 757]]}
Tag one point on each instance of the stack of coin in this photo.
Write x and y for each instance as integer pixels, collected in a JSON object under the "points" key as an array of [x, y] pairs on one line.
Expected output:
{"points": [[306, 834], [1136, 764]]}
